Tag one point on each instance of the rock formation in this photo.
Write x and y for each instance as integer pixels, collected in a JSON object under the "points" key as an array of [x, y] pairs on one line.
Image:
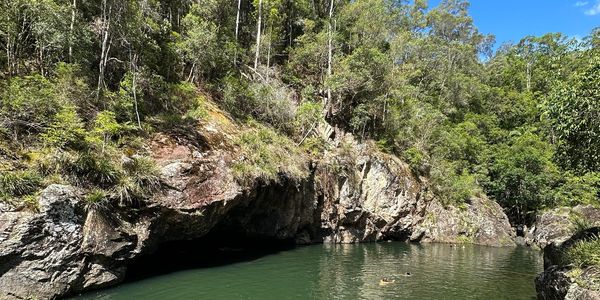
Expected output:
{"points": [[67, 247]]}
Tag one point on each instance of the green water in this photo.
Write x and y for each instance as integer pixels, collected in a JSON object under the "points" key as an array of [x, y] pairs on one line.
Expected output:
{"points": [[352, 272]]}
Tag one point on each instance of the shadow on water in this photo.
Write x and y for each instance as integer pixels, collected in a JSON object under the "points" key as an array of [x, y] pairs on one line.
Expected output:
{"points": [[214, 250], [229, 266]]}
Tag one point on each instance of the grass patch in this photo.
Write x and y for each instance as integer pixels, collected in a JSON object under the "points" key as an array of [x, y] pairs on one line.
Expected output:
{"points": [[19, 183], [579, 222], [95, 199], [119, 175], [265, 154], [198, 111], [584, 253], [141, 178]]}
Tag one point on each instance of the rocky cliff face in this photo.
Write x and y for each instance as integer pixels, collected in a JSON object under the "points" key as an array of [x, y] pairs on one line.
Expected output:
{"points": [[566, 281], [558, 225], [554, 231], [369, 196]]}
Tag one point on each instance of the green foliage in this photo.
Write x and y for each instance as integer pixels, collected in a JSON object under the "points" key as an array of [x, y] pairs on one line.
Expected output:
{"points": [[26, 104], [95, 199], [584, 253], [521, 174], [140, 180], [266, 101], [579, 222], [18, 183], [416, 159], [573, 109], [463, 144], [574, 190], [199, 44], [105, 127], [271, 102], [452, 187], [405, 75], [66, 130], [198, 110], [100, 168], [265, 154], [31, 202], [308, 116]]}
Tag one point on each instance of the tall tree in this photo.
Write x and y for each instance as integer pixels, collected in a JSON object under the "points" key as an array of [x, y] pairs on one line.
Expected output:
{"points": [[237, 31], [258, 34], [329, 53]]}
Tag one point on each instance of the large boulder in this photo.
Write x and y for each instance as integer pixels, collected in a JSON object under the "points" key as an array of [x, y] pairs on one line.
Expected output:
{"points": [[558, 283], [557, 225], [371, 196], [39, 252], [481, 221], [561, 280]]}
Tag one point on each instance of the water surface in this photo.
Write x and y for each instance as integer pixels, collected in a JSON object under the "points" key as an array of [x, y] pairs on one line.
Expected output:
{"points": [[352, 272]]}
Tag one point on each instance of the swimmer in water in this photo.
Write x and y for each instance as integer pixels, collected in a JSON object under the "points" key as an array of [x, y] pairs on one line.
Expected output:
{"points": [[386, 281]]}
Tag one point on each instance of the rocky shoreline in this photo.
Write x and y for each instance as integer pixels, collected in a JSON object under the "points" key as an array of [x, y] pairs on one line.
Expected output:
{"points": [[554, 235], [68, 247]]}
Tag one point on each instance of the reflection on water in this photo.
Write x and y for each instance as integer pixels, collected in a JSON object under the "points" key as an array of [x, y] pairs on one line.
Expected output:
{"points": [[353, 272]]}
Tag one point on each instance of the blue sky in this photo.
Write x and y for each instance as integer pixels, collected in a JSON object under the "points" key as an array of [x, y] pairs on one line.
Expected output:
{"points": [[510, 20]]}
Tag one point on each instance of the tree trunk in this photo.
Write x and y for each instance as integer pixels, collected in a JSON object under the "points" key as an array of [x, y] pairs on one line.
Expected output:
{"points": [[71, 27], [105, 47], [269, 51], [41, 58], [134, 88], [8, 55], [237, 30], [258, 33], [528, 71], [329, 55]]}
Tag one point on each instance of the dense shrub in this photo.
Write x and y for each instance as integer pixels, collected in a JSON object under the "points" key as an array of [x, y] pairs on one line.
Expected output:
{"points": [[18, 183], [265, 154], [27, 104], [452, 186], [573, 190]]}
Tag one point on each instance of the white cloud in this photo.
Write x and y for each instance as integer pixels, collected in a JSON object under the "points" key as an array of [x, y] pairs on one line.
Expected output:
{"points": [[581, 3], [594, 10]]}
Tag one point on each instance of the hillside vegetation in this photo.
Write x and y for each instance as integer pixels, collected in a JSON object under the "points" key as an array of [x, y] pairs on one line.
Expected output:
{"points": [[84, 83]]}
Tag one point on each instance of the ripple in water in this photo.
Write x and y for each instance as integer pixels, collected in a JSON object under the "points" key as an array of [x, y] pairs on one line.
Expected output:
{"points": [[438, 271]]}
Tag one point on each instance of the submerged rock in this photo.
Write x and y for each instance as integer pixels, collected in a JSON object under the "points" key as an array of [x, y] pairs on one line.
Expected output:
{"points": [[65, 249]]}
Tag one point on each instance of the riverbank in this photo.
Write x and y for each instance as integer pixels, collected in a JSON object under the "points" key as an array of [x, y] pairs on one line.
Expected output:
{"points": [[354, 194], [210, 186]]}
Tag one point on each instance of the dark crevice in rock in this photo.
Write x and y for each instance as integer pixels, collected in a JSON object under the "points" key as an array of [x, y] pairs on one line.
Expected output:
{"points": [[222, 247]]}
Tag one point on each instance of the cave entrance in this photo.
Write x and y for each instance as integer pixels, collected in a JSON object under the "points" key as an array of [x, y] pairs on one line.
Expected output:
{"points": [[218, 248]]}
